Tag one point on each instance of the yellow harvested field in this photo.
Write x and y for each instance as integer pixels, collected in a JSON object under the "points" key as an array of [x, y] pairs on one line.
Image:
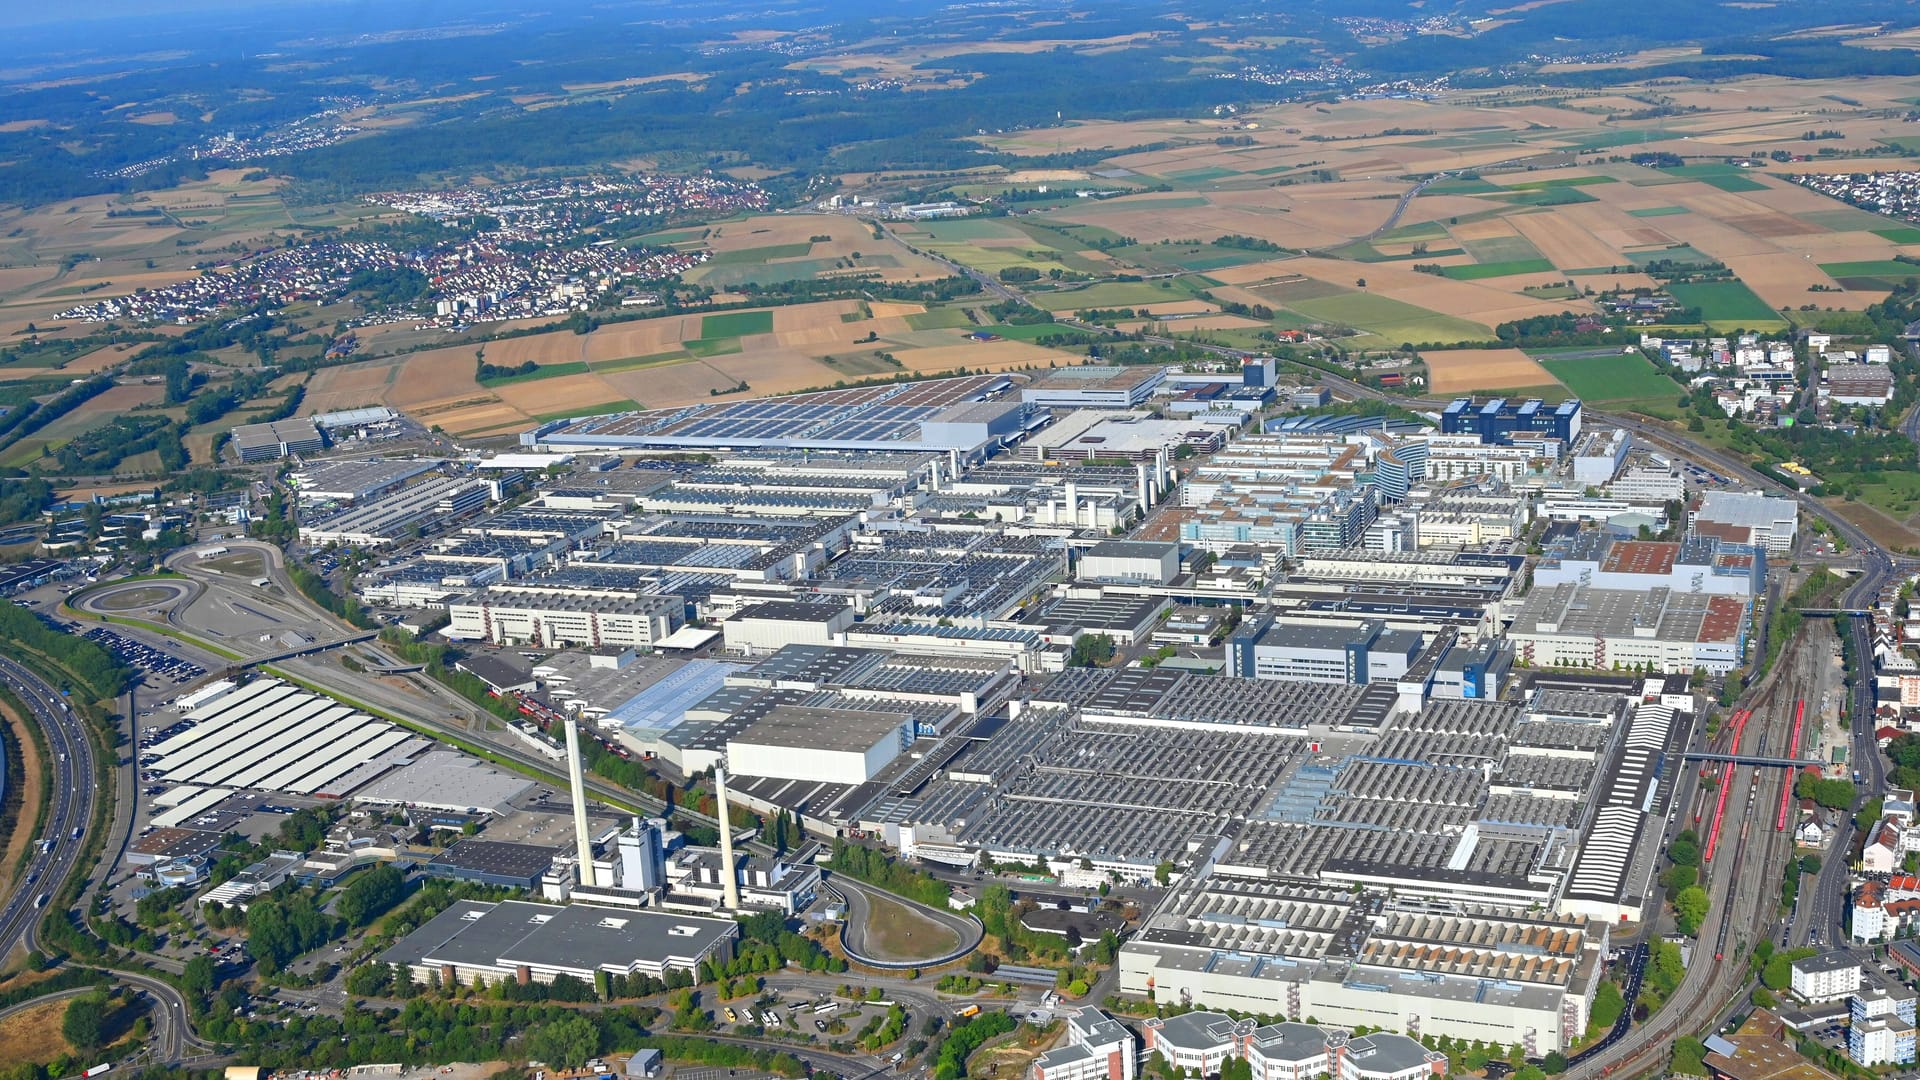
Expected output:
{"points": [[119, 399], [1474, 300], [98, 360], [482, 416], [434, 376], [17, 278], [813, 316], [560, 347], [1783, 281], [684, 383], [1564, 242], [649, 337], [984, 356], [557, 395], [1459, 370], [883, 308]]}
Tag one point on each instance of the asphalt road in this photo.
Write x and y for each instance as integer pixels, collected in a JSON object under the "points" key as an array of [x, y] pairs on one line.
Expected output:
{"points": [[856, 893]]}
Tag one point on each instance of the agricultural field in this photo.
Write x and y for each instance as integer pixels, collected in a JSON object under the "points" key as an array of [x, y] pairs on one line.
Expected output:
{"points": [[1462, 371], [670, 361], [1726, 304], [1615, 379]]}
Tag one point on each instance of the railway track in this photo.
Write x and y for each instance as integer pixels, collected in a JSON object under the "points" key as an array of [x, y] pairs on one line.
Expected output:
{"points": [[1741, 877]]}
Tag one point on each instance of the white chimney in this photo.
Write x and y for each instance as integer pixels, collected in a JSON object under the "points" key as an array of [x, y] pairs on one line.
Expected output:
{"points": [[729, 874], [1146, 496], [576, 775], [933, 476], [1073, 504], [953, 463]]}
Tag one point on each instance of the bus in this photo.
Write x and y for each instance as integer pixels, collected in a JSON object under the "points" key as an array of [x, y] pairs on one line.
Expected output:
{"points": [[969, 1012]]}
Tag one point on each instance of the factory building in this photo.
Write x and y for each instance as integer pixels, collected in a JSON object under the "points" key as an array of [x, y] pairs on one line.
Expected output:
{"points": [[1599, 455], [1130, 560], [1747, 517], [770, 627], [1500, 420], [530, 942], [355, 481], [554, 618], [278, 439], [1573, 625], [1093, 386], [398, 515], [1322, 652], [843, 746], [1508, 978], [1697, 564]]}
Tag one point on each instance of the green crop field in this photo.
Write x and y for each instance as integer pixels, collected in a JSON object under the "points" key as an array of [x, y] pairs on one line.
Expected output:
{"points": [[1112, 294], [1898, 234], [1683, 254], [620, 405], [1615, 377], [1477, 271], [1194, 256], [1724, 177], [736, 324], [1564, 182], [1198, 176], [1659, 211], [1870, 274], [544, 371], [1392, 320], [1501, 249], [948, 318], [1725, 302], [964, 230]]}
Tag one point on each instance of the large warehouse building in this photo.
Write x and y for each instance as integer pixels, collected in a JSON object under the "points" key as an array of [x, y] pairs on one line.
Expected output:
{"points": [[1259, 947], [536, 942], [511, 615], [1572, 625], [840, 746]]}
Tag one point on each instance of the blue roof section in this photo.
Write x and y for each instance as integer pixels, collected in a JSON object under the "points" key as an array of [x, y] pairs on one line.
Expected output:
{"points": [[663, 706]]}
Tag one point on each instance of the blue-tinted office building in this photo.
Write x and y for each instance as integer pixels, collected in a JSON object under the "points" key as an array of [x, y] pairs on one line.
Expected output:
{"points": [[1498, 420]]}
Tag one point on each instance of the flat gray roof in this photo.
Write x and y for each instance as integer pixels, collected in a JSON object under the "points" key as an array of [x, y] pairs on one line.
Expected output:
{"points": [[847, 730]]}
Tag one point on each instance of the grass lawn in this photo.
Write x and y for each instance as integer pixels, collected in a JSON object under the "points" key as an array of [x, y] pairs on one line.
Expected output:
{"points": [[951, 318], [1896, 493], [1724, 301], [1393, 320], [622, 405], [1618, 377], [736, 324], [1477, 271], [894, 931], [544, 371]]}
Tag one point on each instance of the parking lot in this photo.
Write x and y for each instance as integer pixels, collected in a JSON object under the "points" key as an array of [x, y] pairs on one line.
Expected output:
{"points": [[156, 662]]}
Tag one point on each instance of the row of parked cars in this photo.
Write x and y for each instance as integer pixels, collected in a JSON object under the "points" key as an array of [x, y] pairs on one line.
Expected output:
{"points": [[142, 655]]}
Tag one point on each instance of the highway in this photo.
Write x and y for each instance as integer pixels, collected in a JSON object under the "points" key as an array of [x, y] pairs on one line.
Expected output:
{"points": [[72, 807]]}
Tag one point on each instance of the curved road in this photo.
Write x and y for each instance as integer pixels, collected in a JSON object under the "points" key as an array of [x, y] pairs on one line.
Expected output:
{"points": [[856, 893]]}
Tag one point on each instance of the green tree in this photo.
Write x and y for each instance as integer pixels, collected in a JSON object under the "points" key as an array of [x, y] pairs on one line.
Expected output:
{"points": [[564, 1044], [85, 1022], [1690, 909], [1777, 973], [371, 894], [1608, 1004]]}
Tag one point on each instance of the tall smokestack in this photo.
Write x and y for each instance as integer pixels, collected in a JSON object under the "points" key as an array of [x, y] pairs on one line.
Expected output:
{"points": [[1073, 504], [729, 874], [953, 463], [1146, 496], [933, 477], [576, 775]]}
